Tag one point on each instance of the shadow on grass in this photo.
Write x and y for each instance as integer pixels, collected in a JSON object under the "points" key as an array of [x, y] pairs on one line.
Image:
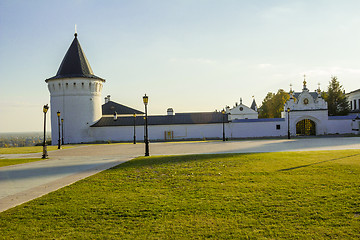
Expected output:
{"points": [[316, 163], [164, 160], [177, 159]]}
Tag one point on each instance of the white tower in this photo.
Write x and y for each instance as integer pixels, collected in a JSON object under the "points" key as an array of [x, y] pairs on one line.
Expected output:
{"points": [[76, 93]]}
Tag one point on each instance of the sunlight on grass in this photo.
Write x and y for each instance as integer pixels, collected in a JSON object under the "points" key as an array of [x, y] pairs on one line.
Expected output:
{"points": [[8, 162], [297, 195], [33, 149]]}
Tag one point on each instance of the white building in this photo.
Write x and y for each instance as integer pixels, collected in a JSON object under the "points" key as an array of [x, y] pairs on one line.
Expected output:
{"points": [[75, 92], [240, 111], [354, 100]]}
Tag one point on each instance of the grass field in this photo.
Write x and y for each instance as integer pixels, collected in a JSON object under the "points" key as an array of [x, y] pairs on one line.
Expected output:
{"points": [[294, 195], [8, 162], [24, 150]]}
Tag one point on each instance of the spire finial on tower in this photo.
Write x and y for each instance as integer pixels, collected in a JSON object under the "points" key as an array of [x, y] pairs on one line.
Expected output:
{"points": [[318, 90], [75, 31], [304, 82], [291, 92], [240, 100]]}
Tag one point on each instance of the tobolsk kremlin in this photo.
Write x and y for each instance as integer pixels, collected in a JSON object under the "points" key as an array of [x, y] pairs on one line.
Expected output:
{"points": [[76, 98]]}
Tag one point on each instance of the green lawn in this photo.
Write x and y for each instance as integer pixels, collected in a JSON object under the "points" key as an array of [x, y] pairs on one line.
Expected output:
{"points": [[24, 150], [294, 195], [7, 162]]}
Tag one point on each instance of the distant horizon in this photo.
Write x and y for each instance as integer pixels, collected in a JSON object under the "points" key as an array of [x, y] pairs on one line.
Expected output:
{"points": [[26, 132]]}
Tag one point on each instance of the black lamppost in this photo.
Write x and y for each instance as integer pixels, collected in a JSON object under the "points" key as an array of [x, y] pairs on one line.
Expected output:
{"points": [[45, 155], [146, 140], [59, 143], [62, 131], [288, 111], [134, 128], [223, 124]]}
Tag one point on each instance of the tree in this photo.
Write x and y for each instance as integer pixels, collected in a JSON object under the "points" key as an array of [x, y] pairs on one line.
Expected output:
{"points": [[273, 104], [336, 99]]}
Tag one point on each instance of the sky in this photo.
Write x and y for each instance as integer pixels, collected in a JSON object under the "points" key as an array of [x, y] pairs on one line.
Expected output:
{"points": [[190, 55]]}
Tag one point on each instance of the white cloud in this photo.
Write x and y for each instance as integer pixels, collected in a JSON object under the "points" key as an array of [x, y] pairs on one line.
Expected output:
{"points": [[276, 12], [264, 65], [331, 71]]}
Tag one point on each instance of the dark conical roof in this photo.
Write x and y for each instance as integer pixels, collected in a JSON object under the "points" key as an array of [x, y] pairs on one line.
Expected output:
{"points": [[253, 105], [75, 63]]}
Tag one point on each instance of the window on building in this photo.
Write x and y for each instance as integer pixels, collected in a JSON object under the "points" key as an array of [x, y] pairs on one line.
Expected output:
{"points": [[355, 104], [277, 126], [351, 105], [359, 103]]}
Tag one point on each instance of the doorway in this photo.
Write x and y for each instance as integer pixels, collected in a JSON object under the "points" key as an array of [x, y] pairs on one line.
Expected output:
{"points": [[306, 127]]}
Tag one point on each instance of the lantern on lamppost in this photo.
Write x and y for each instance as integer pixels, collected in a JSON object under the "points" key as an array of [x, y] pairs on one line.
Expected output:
{"points": [[45, 155], [146, 140], [59, 143]]}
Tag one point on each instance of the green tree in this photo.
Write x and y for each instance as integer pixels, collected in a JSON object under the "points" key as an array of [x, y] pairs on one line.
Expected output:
{"points": [[273, 104], [335, 97]]}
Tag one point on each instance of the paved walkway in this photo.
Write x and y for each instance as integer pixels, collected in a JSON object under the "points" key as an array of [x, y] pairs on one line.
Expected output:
{"points": [[24, 182]]}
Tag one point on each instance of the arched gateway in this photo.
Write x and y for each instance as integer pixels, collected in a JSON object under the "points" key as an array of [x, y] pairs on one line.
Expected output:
{"points": [[306, 127], [306, 112]]}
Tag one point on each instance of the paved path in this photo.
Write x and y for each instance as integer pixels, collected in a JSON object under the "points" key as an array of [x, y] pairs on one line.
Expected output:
{"points": [[23, 182]]}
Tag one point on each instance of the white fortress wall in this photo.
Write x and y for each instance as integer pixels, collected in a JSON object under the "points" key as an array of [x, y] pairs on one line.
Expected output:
{"points": [[192, 131], [339, 126], [248, 129]]}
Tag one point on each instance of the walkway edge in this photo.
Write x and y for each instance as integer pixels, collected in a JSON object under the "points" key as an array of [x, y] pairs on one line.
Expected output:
{"points": [[36, 192]]}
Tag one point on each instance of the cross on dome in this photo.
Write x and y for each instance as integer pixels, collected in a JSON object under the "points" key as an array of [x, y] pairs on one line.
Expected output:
{"points": [[304, 82]]}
